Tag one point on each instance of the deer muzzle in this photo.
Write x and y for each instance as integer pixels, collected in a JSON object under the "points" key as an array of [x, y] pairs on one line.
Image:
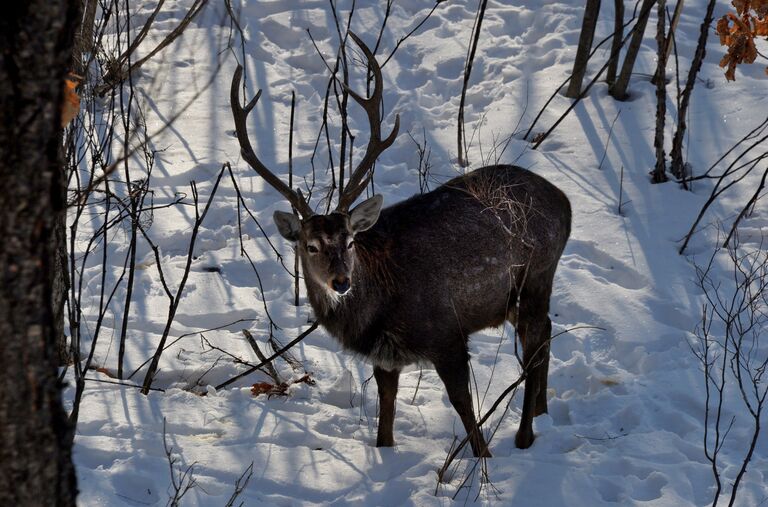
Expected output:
{"points": [[341, 285]]}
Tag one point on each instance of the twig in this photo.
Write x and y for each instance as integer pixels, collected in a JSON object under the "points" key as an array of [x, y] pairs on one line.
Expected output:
{"points": [[744, 210], [175, 300], [461, 144], [238, 321], [270, 358], [608, 437], [181, 482], [205, 342], [608, 141], [621, 191], [418, 383], [121, 71], [271, 371], [240, 485], [296, 290], [414, 30], [121, 383], [716, 192]]}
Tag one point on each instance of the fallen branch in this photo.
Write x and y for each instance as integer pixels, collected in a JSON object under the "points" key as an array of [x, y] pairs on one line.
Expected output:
{"points": [[271, 371], [270, 358]]}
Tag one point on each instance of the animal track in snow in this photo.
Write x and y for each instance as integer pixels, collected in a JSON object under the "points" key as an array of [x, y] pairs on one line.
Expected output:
{"points": [[586, 255], [629, 482], [451, 68]]}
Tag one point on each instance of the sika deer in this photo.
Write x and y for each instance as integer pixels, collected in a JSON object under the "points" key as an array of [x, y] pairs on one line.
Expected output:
{"points": [[409, 283]]}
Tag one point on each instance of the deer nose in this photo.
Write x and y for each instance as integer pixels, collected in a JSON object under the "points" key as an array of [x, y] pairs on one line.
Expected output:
{"points": [[341, 285]]}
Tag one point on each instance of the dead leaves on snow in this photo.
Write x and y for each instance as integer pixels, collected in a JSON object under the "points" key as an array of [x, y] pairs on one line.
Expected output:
{"points": [[279, 389], [738, 33]]}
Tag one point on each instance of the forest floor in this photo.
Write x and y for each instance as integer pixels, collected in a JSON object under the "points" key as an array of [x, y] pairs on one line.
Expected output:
{"points": [[626, 392]]}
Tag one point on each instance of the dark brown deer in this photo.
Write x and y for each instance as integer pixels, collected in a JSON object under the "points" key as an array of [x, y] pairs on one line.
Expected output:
{"points": [[409, 283]]}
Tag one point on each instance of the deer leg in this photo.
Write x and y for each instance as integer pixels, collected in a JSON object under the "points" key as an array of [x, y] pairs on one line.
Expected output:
{"points": [[543, 368], [534, 328], [455, 375], [386, 381]]}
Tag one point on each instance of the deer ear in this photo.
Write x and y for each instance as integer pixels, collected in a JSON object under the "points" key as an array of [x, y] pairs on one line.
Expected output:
{"points": [[288, 225], [365, 214]]}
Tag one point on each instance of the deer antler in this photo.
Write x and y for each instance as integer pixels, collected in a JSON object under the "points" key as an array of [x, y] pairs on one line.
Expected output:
{"points": [[240, 115], [362, 173]]}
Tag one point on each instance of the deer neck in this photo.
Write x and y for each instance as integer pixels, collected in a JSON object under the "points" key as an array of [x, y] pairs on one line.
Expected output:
{"points": [[350, 317]]}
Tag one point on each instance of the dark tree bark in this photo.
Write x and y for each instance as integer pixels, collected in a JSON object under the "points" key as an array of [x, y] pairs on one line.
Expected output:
{"points": [[60, 276], [619, 88], [618, 36], [35, 455], [671, 33], [660, 171], [591, 12], [677, 165], [84, 37]]}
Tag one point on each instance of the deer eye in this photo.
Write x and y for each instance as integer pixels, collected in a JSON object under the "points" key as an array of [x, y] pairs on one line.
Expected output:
{"points": [[312, 249], [350, 245]]}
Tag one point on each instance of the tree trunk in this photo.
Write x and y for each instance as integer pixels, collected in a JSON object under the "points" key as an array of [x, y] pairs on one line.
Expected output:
{"points": [[591, 12], [618, 36], [619, 89], [677, 165], [672, 29], [84, 37], [660, 171], [60, 275], [668, 41], [35, 458]]}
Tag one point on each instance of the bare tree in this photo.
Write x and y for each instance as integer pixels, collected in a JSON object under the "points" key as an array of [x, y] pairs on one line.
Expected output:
{"points": [[35, 458], [745, 161], [619, 88], [541, 137], [677, 165], [659, 174], [591, 13], [670, 39], [618, 35], [732, 351]]}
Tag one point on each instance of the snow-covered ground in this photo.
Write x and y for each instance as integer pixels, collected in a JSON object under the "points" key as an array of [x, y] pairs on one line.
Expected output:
{"points": [[626, 402]]}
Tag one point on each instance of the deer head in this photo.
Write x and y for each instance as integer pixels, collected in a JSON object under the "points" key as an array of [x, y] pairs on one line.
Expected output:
{"points": [[325, 242]]}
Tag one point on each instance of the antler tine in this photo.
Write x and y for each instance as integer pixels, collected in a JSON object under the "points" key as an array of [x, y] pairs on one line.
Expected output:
{"points": [[240, 114], [362, 173]]}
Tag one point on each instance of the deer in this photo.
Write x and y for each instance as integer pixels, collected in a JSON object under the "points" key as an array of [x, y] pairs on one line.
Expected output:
{"points": [[409, 283]]}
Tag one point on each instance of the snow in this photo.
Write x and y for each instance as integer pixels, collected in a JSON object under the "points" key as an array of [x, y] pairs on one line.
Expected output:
{"points": [[626, 401]]}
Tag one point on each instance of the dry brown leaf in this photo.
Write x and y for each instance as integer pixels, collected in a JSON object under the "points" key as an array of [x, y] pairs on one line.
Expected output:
{"points": [[738, 33], [280, 389], [723, 31], [105, 372], [70, 104], [760, 7], [761, 27], [262, 388], [741, 5]]}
